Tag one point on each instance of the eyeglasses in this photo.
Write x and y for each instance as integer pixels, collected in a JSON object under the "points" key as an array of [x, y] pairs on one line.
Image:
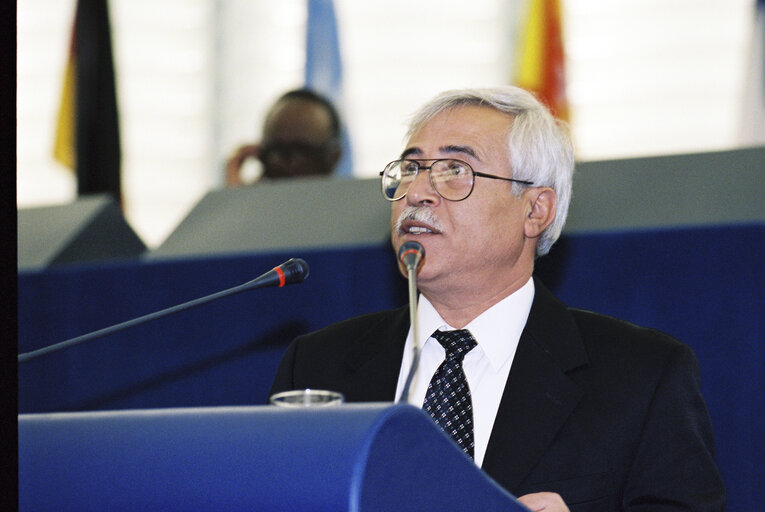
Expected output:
{"points": [[451, 179]]}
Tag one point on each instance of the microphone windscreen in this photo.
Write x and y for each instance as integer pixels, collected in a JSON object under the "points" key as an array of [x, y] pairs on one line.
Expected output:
{"points": [[295, 270], [411, 254]]}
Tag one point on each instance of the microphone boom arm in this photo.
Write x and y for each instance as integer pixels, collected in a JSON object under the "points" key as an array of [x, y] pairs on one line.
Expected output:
{"points": [[411, 272], [292, 271], [412, 254]]}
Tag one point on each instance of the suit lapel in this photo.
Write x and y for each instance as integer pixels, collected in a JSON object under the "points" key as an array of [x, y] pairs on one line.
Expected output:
{"points": [[538, 396], [374, 362]]}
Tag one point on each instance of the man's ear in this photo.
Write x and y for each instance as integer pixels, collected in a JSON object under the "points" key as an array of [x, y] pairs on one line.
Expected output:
{"points": [[542, 207]]}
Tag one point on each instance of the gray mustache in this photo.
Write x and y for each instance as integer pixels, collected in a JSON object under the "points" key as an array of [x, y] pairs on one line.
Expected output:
{"points": [[418, 214]]}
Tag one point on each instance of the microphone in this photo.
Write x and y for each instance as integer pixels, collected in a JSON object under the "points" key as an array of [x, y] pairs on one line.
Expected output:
{"points": [[412, 255], [291, 271], [294, 270]]}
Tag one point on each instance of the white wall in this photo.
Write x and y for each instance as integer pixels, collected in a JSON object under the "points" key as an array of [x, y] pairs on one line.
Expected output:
{"points": [[195, 77]]}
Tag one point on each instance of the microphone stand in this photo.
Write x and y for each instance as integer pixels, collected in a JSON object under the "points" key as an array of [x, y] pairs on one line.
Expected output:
{"points": [[411, 254], [292, 271], [415, 335]]}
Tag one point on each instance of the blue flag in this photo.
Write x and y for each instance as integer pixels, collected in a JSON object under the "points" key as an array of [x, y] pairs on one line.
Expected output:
{"points": [[324, 68], [752, 130]]}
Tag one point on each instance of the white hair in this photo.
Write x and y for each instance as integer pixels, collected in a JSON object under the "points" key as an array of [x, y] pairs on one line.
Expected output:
{"points": [[539, 145]]}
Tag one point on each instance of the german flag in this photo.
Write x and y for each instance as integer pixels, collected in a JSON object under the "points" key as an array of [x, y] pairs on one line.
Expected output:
{"points": [[541, 61], [87, 131]]}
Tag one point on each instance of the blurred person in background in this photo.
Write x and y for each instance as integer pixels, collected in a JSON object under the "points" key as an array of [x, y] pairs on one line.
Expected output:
{"points": [[300, 137]]}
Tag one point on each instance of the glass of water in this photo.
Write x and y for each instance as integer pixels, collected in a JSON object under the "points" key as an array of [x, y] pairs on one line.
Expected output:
{"points": [[307, 398]]}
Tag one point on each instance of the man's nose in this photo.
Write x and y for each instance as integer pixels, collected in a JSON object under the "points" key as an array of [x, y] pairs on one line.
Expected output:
{"points": [[421, 190]]}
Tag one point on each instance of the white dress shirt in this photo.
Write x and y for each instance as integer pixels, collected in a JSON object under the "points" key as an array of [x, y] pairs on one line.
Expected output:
{"points": [[497, 332]]}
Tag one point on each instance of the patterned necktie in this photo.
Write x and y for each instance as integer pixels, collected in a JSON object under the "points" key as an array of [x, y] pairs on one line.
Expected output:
{"points": [[448, 397]]}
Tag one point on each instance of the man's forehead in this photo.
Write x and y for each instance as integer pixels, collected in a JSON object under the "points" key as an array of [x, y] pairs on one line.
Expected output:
{"points": [[463, 131]]}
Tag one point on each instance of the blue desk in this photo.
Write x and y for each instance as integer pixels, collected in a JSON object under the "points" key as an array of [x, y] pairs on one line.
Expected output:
{"points": [[360, 458]]}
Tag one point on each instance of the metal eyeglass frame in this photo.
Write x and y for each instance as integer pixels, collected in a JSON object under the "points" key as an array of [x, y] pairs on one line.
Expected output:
{"points": [[428, 168]]}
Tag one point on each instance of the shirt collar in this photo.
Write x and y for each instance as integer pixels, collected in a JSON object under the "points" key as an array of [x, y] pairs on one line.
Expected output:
{"points": [[497, 330]]}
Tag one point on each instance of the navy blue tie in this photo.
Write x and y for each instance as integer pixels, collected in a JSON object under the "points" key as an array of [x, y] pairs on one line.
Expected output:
{"points": [[448, 397]]}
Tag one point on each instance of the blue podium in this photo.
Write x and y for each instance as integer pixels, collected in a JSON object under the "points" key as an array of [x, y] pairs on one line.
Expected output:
{"points": [[361, 458]]}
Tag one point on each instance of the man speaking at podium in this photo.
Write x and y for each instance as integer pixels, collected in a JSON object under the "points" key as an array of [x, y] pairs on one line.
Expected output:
{"points": [[565, 408]]}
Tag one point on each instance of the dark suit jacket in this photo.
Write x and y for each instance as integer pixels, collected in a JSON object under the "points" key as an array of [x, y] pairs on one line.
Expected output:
{"points": [[605, 413]]}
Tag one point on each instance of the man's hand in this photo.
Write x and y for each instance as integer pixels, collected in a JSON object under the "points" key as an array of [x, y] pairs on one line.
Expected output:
{"points": [[234, 164], [544, 501]]}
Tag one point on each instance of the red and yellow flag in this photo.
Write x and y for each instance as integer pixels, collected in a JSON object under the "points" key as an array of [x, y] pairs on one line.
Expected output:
{"points": [[541, 62]]}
